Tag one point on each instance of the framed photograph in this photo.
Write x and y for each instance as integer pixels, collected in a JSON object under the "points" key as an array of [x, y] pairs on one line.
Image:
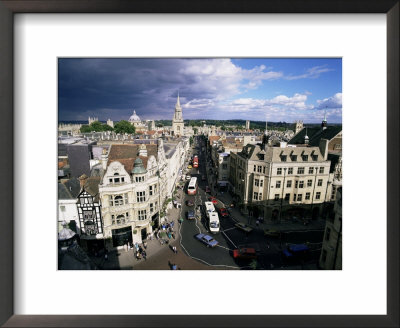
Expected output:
{"points": [[149, 112]]}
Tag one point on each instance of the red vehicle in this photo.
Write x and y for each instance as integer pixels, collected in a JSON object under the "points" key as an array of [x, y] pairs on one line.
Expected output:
{"points": [[223, 212], [213, 200], [196, 161], [244, 253]]}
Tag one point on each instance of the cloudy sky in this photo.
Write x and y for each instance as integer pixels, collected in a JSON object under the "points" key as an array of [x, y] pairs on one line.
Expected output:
{"points": [[251, 89]]}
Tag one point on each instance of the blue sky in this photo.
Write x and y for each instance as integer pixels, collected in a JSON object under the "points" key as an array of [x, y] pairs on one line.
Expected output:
{"points": [[259, 89]]}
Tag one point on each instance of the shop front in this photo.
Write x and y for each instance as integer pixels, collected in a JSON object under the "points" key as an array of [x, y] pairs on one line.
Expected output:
{"points": [[121, 237]]}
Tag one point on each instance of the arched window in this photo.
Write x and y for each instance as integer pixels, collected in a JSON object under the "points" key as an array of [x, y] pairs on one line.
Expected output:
{"points": [[118, 200]]}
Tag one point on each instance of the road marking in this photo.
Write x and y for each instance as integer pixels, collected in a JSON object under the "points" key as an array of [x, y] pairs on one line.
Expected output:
{"points": [[228, 229], [229, 239], [224, 247]]}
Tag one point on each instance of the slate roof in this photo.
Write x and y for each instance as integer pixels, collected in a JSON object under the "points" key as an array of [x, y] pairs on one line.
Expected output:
{"points": [[315, 135], [63, 192], [73, 186]]}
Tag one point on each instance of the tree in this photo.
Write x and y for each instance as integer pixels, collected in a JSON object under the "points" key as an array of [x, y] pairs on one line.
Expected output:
{"points": [[190, 141], [223, 128], [85, 128], [124, 127], [195, 130]]}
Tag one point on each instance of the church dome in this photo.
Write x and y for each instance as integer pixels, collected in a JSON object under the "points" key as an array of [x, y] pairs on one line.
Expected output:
{"points": [[134, 117], [138, 167]]}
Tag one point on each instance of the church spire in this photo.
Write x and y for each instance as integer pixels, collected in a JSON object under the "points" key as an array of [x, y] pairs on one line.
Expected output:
{"points": [[178, 104]]}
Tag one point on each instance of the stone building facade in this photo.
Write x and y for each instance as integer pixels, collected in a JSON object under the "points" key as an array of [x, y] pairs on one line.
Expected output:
{"points": [[280, 182], [331, 252], [132, 191]]}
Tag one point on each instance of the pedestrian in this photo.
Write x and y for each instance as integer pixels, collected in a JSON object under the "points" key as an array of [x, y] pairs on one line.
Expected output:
{"points": [[144, 255], [257, 223], [144, 245], [106, 256]]}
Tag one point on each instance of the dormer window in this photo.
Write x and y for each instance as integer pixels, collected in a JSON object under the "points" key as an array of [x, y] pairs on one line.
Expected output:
{"points": [[304, 158], [294, 158], [315, 158], [283, 158]]}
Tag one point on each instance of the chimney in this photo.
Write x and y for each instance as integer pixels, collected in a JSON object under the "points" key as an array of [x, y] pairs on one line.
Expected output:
{"points": [[104, 159], [82, 180]]}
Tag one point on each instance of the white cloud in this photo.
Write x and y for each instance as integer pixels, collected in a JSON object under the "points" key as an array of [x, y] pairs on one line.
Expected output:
{"points": [[311, 73], [332, 102]]}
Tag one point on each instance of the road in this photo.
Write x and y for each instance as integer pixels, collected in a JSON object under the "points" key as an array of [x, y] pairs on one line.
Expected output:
{"points": [[230, 237]]}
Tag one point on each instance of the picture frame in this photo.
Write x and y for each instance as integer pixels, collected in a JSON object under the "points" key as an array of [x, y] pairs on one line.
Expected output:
{"points": [[8, 8]]}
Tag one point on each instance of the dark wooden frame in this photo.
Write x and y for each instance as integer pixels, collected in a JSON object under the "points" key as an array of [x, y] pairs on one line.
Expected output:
{"points": [[7, 10]]}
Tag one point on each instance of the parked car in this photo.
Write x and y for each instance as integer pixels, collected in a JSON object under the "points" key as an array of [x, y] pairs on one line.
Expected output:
{"points": [[190, 215], [213, 200], [208, 189], [206, 239], [296, 251], [271, 233], [223, 212], [244, 253], [188, 177], [189, 202], [189, 166], [243, 227]]}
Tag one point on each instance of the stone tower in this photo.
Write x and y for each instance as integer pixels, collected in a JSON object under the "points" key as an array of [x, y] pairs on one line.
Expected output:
{"points": [[177, 121], [247, 125]]}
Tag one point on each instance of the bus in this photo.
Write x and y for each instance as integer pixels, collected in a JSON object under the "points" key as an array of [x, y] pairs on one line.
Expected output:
{"points": [[209, 208], [213, 222], [192, 187], [196, 161]]}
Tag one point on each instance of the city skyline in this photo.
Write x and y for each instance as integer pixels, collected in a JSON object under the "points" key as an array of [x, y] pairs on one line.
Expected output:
{"points": [[249, 89]]}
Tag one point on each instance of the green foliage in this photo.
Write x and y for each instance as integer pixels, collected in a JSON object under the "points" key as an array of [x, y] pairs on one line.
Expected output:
{"points": [[195, 130], [95, 127], [191, 141], [124, 127]]}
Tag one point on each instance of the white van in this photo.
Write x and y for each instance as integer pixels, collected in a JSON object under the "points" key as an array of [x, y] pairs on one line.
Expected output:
{"points": [[209, 208], [213, 222]]}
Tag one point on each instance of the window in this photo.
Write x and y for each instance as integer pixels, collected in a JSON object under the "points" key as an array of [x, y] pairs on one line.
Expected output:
{"points": [[116, 180], [337, 146], [260, 196], [150, 190], [278, 184], [300, 170], [255, 196], [283, 158], [321, 170], [62, 208], [110, 180], [255, 168], [126, 198], [311, 170], [256, 182], [118, 200], [224, 166], [261, 183], [296, 184], [120, 219], [294, 158], [287, 197], [304, 158], [276, 197], [315, 158], [139, 179], [319, 183], [142, 215], [122, 179], [289, 184], [290, 170], [263, 169], [309, 183], [299, 197], [141, 196], [301, 184], [327, 234], [279, 171], [307, 196], [294, 197], [259, 169], [318, 195]]}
